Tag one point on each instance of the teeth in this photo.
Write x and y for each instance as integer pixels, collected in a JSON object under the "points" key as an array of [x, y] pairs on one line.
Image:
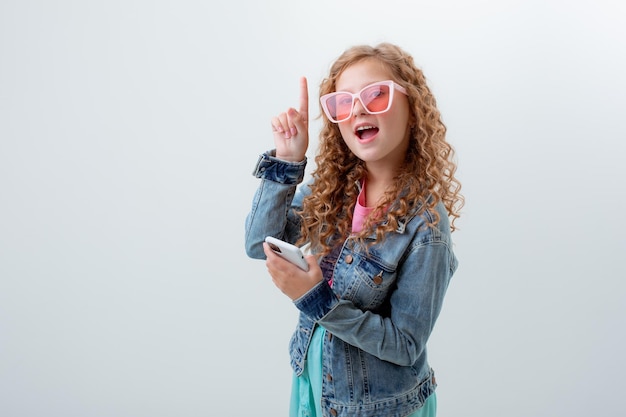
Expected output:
{"points": [[361, 128]]}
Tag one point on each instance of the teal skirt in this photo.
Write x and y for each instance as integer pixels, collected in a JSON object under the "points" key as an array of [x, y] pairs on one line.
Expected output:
{"points": [[306, 389]]}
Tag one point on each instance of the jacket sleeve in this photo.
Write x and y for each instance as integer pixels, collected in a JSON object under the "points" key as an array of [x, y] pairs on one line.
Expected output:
{"points": [[400, 335], [273, 206]]}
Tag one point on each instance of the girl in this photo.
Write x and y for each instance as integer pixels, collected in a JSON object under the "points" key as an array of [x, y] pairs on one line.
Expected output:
{"points": [[376, 218]]}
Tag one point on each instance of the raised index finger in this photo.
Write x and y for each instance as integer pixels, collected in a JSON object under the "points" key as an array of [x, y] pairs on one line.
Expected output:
{"points": [[304, 99]]}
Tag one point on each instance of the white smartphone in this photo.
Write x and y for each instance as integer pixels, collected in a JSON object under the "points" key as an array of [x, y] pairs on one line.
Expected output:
{"points": [[288, 251]]}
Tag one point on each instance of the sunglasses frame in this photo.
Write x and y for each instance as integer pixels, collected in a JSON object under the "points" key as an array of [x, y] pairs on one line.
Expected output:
{"points": [[390, 83]]}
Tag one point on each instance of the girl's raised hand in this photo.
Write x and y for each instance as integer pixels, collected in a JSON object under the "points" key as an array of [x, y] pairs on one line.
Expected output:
{"points": [[291, 129]]}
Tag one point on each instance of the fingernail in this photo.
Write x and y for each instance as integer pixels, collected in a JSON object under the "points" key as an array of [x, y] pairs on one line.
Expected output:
{"points": [[280, 129], [293, 131]]}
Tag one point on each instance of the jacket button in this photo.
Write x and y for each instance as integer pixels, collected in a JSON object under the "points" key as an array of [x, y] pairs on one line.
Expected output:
{"points": [[378, 280], [329, 377], [349, 259], [333, 411]]}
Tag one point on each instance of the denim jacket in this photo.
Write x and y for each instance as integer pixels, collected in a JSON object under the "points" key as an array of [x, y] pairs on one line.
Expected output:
{"points": [[381, 308]]}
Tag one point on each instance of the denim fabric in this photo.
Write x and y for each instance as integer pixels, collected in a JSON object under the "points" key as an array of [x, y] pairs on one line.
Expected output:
{"points": [[306, 389], [380, 311]]}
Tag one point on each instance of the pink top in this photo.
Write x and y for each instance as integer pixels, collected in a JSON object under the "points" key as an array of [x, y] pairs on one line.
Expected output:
{"points": [[360, 211]]}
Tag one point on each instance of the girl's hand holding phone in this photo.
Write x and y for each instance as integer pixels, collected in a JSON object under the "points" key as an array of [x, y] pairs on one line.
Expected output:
{"points": [[291, 129], [291, 279]]}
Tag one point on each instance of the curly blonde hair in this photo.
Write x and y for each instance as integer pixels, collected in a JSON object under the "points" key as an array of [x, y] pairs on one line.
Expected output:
{"points": [[425, 179]]}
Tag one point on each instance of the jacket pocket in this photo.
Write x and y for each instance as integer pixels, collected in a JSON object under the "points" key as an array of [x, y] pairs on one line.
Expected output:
{"points": [[369, 285]]}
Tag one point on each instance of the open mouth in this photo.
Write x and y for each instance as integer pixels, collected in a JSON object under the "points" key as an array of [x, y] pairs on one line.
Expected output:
{"points": [[366, 132]]}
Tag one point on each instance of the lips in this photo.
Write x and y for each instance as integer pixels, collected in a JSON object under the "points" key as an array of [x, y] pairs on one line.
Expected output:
{"points": [[366, 131]]}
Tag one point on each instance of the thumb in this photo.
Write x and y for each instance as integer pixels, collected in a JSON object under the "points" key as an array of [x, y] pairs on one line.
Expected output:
{"points": [[296, 119]]}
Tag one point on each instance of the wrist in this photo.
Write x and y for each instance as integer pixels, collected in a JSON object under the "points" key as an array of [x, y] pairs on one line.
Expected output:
{"points": [[289, 158]]}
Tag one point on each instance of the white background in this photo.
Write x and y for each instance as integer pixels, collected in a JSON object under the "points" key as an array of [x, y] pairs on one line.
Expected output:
{"points": [[128, 134]]}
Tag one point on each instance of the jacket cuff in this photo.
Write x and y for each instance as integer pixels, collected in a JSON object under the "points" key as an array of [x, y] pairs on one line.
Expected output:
{"points": [[268, 167], [317, 302]]}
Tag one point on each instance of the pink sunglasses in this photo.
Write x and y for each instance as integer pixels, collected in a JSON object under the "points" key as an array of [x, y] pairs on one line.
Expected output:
{"points": [[376, 98]]}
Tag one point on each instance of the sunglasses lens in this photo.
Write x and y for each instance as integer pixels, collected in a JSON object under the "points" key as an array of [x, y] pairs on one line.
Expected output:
{"points": [[376, 98], [339, 106]]}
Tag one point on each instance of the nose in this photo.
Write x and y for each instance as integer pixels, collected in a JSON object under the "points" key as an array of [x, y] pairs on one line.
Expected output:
{"points": [[358, 108]]}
